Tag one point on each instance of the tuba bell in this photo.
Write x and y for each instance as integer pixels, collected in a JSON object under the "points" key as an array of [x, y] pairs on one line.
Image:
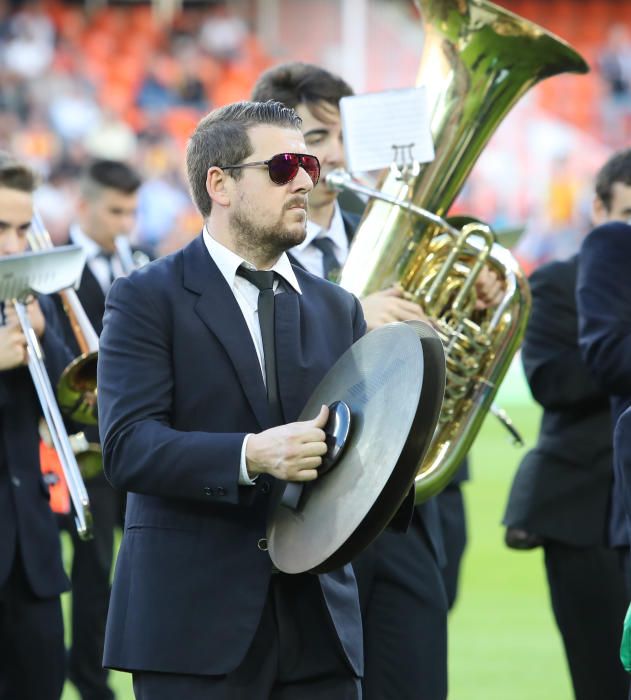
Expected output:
{"points": [[478, 60]]}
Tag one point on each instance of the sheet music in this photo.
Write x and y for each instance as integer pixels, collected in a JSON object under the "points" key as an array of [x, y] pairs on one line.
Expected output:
{"points": [[375, 122], [43, 272]]}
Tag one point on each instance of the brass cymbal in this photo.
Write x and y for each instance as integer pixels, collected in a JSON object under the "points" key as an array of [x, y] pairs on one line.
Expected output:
{"points": [[392, 380]]}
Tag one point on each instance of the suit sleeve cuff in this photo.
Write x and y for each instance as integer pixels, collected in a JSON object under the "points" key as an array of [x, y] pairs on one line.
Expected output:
{"points": [[244, 477]]}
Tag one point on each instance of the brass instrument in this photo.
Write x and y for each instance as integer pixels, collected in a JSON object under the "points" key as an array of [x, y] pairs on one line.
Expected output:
{"points": [[76, 390], [478, 60], [130, 260], [59, 436], [88, 454]]}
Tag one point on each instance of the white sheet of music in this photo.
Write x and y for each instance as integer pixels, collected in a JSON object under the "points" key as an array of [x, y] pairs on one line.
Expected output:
{"points": [[376, 122]]}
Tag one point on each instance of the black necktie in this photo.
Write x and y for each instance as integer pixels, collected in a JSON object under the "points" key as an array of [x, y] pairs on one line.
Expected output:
{"points": [[330, 264], [264, 281]]}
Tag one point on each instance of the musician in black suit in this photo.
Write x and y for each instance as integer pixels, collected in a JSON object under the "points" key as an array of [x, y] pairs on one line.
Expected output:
{"points": [[604, 307], [401, 576], [199, 382], [559, 497], [106, 210], [32, 664]]}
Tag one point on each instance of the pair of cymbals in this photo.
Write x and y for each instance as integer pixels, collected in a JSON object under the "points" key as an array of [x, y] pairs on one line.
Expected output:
{"points": [[392, 383]]}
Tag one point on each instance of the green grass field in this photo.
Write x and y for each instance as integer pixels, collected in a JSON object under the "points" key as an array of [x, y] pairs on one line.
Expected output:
{"points": [[503, 642]]}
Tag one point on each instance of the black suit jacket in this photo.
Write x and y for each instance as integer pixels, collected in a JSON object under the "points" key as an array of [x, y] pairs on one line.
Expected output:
{"points": [[26, 520], [604, 307], [561, 489], [180, 386]]}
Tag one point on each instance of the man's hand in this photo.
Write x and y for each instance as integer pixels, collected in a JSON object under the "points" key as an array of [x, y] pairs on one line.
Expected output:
{"points": [[389, 305], [35, 316], [489, 288], [291, 452], [13, 351]]}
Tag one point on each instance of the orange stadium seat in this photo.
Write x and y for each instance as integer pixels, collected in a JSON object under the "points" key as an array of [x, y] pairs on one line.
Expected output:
{"points": [[180, 122]]}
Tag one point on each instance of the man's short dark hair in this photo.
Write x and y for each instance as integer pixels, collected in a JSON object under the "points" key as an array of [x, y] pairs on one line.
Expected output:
{"points": [[300, 83], [15, 175], [221, 138], [108, 174], [616, 169]]}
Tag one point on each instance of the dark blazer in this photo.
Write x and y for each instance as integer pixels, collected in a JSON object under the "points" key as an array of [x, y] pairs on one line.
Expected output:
{"points": [[180, 386], [604, 309], [26, 520], [622, 452], [561, 489]]}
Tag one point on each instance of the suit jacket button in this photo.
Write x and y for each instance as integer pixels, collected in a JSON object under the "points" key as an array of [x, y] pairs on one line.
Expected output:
{"points": [[208, 491], [220, 491], [15, 481], [262, 544], [265, 487]]}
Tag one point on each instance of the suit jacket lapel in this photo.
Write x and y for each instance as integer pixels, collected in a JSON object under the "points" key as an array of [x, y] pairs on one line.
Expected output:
{"points": [[220, 312]]}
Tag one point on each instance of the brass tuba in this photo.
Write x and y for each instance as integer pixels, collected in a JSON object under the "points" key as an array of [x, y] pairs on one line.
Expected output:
{"points": [[478, 60]]}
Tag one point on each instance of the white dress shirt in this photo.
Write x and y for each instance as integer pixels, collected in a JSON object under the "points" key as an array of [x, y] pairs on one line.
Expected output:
{"points": [[309, 256], [104, 271], [247, 295]]}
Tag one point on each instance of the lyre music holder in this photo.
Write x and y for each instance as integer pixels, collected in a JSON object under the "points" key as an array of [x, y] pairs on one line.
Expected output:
{"points": [[404, 166]]}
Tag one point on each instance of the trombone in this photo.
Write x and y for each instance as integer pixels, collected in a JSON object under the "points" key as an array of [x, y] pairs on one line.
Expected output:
{"points": [[52, 415], [76, 390]]}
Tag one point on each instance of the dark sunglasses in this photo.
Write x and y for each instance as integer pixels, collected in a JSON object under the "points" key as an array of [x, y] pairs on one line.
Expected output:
{"points": [[283, 167]]}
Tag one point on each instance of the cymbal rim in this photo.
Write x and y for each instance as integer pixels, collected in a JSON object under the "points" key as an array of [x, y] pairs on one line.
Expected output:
{"points": [[387, 359]]}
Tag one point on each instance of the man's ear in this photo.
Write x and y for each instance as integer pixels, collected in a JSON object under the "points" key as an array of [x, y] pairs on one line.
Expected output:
{"points": [[217, 186], [600, 212]]}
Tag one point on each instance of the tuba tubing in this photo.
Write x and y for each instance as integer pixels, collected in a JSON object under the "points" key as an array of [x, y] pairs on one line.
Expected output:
{"points": [[478, 60]]}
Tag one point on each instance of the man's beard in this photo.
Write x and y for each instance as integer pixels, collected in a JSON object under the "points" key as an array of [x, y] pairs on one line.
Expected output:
{"points": [[257, 242]]}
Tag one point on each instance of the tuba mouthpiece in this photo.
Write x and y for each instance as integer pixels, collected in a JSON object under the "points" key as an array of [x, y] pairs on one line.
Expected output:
{"points": [[337, 180]]}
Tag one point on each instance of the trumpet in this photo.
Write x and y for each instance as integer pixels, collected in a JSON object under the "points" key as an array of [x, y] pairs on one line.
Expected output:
{"points": [[130, 260], [76, 390]]}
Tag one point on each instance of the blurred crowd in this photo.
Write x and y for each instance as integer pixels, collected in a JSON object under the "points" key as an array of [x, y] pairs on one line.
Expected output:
{"points": [[118, 84]]}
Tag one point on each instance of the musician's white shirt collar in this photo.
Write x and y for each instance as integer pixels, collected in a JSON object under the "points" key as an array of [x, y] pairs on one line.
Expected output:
{"points": [[309, 256], [78, 237], [103, 269], [229, 262]]}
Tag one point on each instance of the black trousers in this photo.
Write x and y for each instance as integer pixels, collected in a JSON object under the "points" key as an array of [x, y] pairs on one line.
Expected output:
{"points": [[589, 600], [454, 525], [404, 611], [295, 655], [90, 576], [32, 656]]}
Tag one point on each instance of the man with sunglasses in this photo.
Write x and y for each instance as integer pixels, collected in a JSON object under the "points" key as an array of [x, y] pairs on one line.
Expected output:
{"points": [[197, 394], [401, 577]]}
